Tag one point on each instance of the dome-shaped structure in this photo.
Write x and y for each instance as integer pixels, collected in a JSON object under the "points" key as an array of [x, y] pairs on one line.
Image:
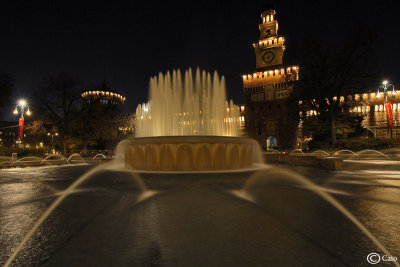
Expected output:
{"points": [[104, 95]]}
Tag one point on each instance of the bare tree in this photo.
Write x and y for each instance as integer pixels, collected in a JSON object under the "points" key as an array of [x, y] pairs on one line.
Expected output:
{"points": [[329, 70], [57, 101], [6, 88]]}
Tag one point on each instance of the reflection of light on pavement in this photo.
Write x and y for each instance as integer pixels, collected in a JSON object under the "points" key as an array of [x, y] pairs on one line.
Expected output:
{"points": [[377, 177], [374, 162], [16, 192], [376, 188], [11, 195], [380, 219]]}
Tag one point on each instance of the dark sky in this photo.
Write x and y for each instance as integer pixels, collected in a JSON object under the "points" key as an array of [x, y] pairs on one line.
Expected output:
{"points": [[137, 39]]}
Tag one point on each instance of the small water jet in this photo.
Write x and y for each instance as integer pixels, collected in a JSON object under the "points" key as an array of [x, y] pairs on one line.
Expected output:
{"points": [[296, 151], [393, 153], [320, 153], [372, 154], [54, 159], [99, 156], [27, 161], [75, 157], [345, 154]]}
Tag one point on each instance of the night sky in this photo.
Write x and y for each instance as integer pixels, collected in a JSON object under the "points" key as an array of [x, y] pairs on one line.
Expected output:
{"points": [[135, 40]]}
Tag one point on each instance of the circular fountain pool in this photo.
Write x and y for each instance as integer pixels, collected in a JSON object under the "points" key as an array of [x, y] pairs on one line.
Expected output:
{"points": [[191, 153]]}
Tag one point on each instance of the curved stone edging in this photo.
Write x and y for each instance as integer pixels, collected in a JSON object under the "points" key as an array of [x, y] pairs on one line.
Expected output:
{"points": [[186, 153]]}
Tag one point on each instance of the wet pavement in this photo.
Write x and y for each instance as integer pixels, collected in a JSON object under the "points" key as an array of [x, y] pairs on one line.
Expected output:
{"points": [[264, 218]]}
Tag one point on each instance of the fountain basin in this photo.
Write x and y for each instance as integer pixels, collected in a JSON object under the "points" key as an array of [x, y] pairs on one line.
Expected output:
{"points": [[190, 153]]}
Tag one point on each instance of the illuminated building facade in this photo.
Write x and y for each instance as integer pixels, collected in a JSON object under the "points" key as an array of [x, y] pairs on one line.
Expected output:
{"points": [[268, 88], [372, 107]]}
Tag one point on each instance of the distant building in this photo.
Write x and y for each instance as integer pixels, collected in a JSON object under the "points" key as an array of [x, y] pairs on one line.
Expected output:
{"points": [[103, 95], [268, 88], [372, 107]]}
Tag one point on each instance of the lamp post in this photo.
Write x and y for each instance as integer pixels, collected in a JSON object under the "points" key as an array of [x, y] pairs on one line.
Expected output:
{"points": [[21, 104], [385, 88], [388, 106], [52, 141]]}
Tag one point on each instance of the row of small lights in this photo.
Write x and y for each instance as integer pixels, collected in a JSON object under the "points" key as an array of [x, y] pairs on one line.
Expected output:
{"points": [[377, 108], [103, 93], [308, 113], [270, 41], [372, 95], [270, 72], [364, 96], [357, 109]]}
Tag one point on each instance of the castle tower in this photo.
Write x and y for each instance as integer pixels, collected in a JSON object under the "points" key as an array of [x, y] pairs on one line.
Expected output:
{"points": [[268, 88], [269, 49]]}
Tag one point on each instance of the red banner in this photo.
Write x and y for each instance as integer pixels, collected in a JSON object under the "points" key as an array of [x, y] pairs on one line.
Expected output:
{"points": [[389, 115], [21, 128]]}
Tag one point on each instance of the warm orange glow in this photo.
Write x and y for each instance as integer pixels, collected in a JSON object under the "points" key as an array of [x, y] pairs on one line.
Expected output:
{"points": [[103, 93]]}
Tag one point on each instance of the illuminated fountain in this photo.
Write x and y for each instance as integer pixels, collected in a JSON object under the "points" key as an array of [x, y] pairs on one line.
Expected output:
{"points": [[271, 199], [188, 125]]}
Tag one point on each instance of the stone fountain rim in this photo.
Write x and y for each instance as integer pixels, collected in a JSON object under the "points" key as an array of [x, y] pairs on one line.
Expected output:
{"points": [[180, 139], [254, 168]]}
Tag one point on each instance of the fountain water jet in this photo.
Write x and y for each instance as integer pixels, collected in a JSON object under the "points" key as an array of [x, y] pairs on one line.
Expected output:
{"points": [[145, 193], [181, 107], [54, 158], [286, 175], [73, 156], [99, 156], [188, 125]]}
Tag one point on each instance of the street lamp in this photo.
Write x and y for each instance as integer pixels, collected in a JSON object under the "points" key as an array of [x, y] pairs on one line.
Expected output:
{"points": [[388, 105], [385, 88], [52, 140], [21, 104]]}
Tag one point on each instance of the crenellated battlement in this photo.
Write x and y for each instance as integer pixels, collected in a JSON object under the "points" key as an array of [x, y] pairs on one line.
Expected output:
{"points": [[271, 76], [270, 42]]}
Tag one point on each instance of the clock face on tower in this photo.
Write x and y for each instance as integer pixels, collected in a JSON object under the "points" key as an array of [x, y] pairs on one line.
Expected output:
{"points": [[268, 56]]}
